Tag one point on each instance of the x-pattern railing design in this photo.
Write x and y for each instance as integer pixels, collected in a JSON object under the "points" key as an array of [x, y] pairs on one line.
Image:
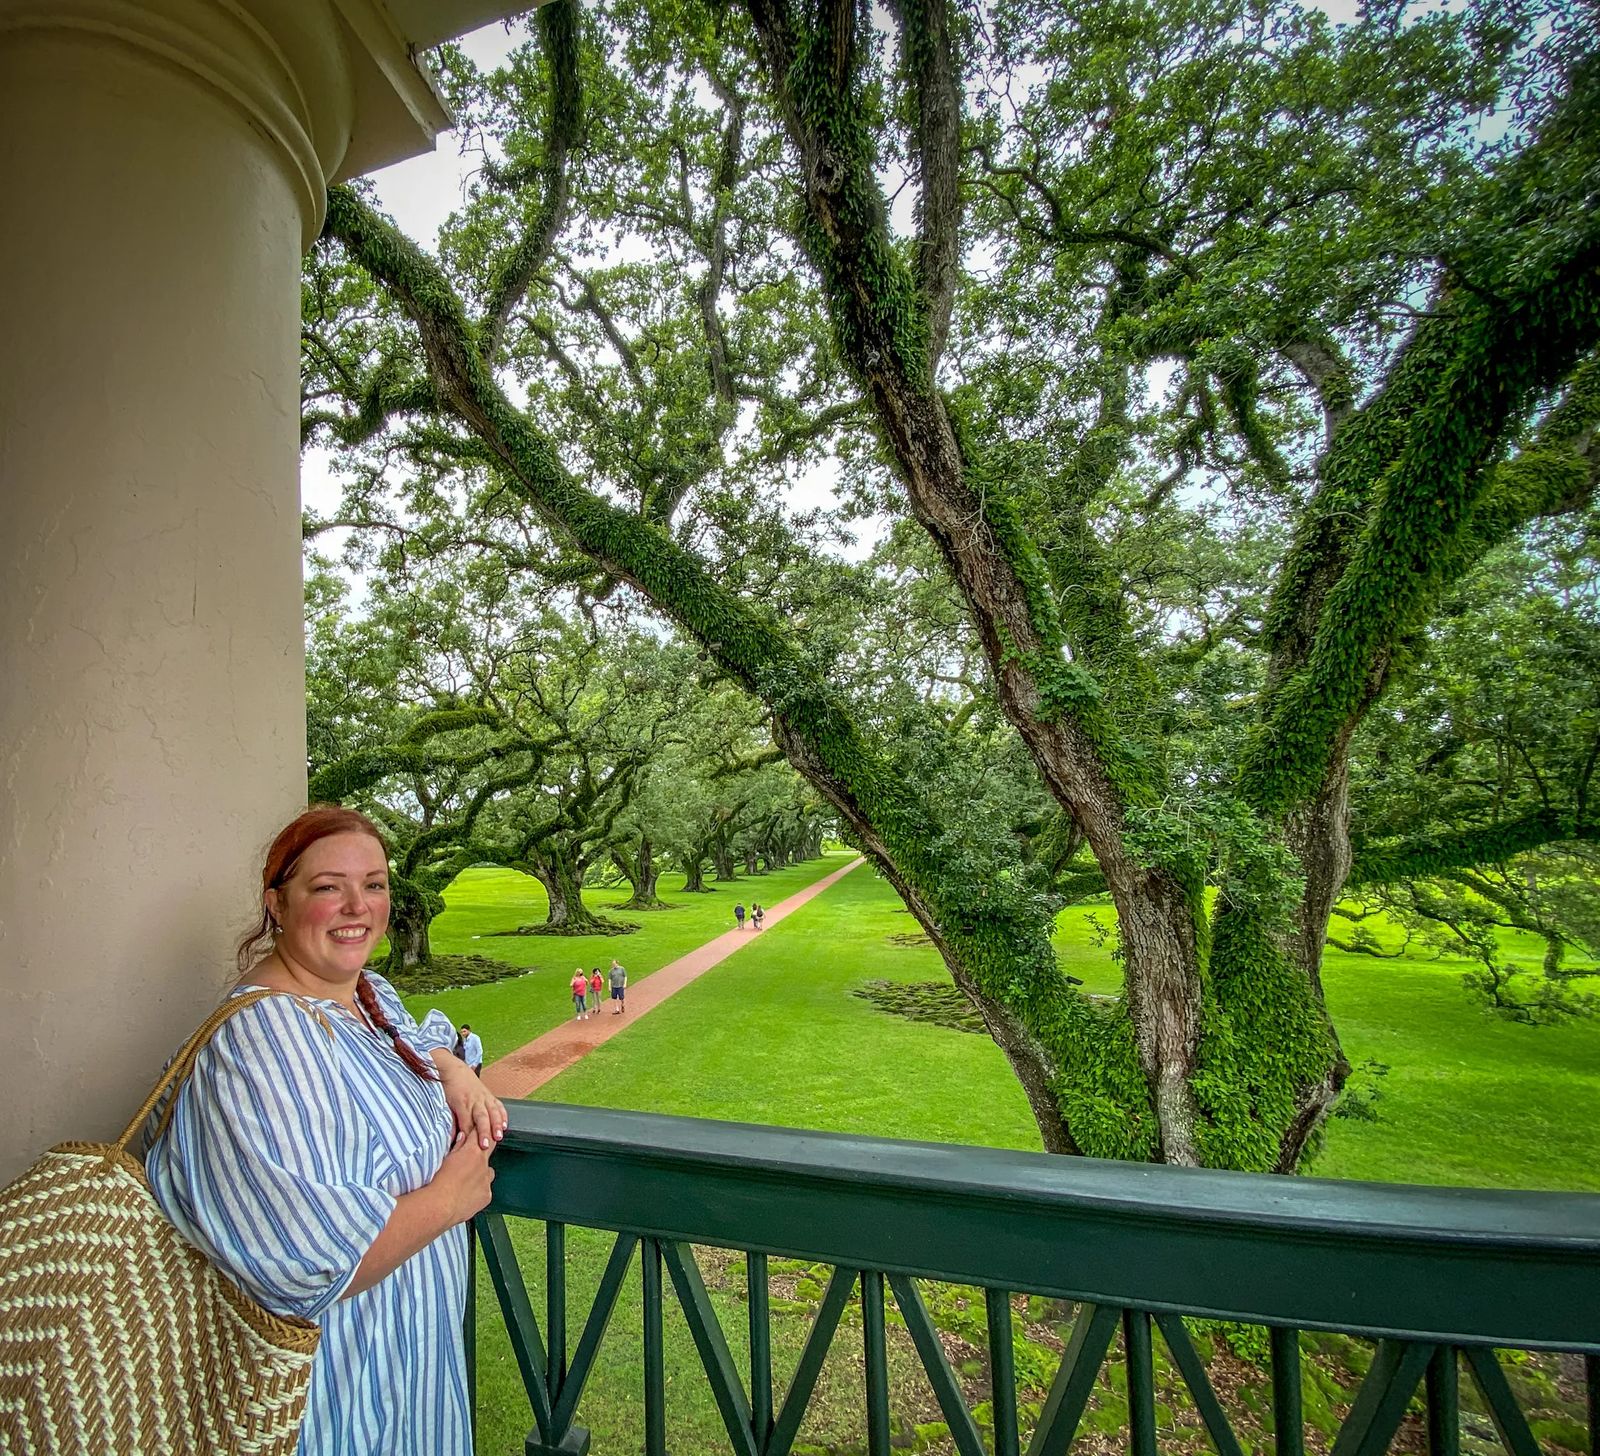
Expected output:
{"points": [[1438, 1277]]}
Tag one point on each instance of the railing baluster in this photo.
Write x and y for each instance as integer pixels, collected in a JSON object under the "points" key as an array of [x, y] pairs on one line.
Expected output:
{"points": [[517, 1311], [1002, 1373], [1507, 1415], [1444, 1403], [1380, 1404], [1069, 1393], [565, 1406], [877, 1360], [760, 1349], [1288, 1415], [1137, 1348], [712, 1345], [655, 1378], [469, 1333], [946, 1388], [815, 1352], [555, 1306], [1187, 1359], [1591, 1371]]}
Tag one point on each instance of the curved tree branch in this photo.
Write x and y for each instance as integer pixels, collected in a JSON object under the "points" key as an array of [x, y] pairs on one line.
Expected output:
{"points": [[928, 61], [1393, 861], [818, 735], [558, 30]]}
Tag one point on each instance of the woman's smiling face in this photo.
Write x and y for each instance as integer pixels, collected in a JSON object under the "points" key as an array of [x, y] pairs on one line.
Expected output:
{"points": [[334, 907]]}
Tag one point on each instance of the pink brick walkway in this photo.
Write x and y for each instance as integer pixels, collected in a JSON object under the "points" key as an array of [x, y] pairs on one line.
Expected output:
{"points": [[518, 1073]]}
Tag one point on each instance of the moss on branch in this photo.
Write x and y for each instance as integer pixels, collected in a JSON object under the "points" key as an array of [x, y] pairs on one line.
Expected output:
{"points": [[1393, 861]]}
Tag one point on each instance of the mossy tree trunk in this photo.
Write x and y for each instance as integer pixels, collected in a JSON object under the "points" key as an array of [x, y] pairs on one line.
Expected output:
{"points": [[642, 874], [412, 909], [562, 879], [890, 321], [1239, 999], [694, 870]]}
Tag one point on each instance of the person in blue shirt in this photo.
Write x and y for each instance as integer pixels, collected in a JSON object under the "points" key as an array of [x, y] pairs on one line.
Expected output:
{"points": [[470, 1048], [327, 1152]]}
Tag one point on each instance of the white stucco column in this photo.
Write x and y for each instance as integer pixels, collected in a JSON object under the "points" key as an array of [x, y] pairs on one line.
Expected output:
{"points": [[162, 166]]}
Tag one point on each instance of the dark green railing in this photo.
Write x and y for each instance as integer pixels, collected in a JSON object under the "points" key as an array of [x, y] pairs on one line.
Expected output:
{"points": [[1439, 1277]]}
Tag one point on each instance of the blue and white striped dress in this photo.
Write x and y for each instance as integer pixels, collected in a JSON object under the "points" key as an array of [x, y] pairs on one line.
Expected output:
{"points": [[287, 1149]]}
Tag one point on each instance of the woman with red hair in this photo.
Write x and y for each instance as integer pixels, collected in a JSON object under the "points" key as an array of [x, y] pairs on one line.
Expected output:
{"points": [[327, 1151]]}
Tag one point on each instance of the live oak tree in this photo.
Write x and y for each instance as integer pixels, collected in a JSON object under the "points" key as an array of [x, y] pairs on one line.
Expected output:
{"points": [[1492, 734], [479, 726], [1154, 252], [614, 703], [431, 826], [715, 792], [403, 725]]}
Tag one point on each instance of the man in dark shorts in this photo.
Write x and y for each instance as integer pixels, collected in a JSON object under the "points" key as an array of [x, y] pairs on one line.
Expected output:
{"points": [[619, 988], [738, 914]]}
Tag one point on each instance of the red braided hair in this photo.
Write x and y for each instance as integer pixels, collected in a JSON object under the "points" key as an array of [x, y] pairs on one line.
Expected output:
{"points": [[284, 854], [367, 995]]}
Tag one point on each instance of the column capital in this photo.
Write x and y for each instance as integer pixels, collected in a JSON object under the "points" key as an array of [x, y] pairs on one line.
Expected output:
{"points": [[332, 83]]}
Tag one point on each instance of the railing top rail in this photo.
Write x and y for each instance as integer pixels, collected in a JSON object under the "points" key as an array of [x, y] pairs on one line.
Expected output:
{"points": [[1508, 1267], [1502, 1217]]}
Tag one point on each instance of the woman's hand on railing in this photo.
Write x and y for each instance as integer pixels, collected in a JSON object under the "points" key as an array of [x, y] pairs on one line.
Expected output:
{"points": [[476, 1109], [465, 1180]]}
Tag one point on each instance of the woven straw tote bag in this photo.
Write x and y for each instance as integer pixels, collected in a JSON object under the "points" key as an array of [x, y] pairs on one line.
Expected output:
{"points": [[116, 1334]]}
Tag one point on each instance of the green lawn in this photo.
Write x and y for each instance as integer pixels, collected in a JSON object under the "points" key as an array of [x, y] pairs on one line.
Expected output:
{"points": [[506, 1014], [773, 1035], [1468, 1098]]}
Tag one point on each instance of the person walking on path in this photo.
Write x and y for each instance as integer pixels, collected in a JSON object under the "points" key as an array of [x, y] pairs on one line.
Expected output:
{"points": [[580, 992], [619, 988], [756, 913], [471, 1048], [596, 985], [738, 914]]}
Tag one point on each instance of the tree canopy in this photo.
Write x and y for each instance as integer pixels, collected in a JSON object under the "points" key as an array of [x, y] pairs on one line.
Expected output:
{"points": [[1192, 357]]}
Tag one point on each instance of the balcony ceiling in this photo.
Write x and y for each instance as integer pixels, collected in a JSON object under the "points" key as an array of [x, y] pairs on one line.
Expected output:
{"points": [[399, 113], [427, 22]]}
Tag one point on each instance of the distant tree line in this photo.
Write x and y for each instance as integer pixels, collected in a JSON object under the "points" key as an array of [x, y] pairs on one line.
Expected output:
{"points": [[546, 746]]}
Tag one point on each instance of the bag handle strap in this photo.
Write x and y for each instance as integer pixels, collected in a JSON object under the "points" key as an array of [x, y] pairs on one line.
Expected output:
{"points": [[182, 1065]]}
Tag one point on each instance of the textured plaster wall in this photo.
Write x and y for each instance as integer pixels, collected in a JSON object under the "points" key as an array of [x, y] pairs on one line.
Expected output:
{"points": [[151, 676]]}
